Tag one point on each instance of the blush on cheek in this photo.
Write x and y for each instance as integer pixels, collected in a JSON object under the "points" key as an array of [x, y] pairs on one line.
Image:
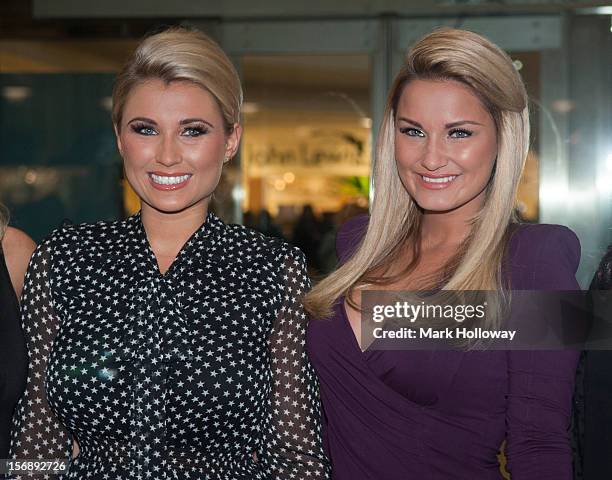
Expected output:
{"points": [[138, 152]]}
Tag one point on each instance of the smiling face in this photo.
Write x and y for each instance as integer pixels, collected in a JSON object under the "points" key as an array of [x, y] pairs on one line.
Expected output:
{"points": [[445, 146], [173, 143]]}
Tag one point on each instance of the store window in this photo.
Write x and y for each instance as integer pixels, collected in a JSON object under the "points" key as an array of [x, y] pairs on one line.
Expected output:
{"points": [[314, 93], [306, 149], [59, 160]]}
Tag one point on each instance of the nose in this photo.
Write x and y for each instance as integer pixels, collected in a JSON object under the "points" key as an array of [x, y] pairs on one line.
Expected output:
{"points": [[435, 156], [169, 153]]}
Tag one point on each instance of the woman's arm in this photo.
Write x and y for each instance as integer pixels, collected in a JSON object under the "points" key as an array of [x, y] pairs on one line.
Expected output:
{"points": [[37, 433], [18, 248], [293, 447], [541, 382]]}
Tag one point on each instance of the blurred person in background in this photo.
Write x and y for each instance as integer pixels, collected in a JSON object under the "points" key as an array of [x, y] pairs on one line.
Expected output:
{"points": [[15, 252], [170, 345], [248, 219], [450, 153], [592, 428], [265, 224], [326, 252], [307, 236]]}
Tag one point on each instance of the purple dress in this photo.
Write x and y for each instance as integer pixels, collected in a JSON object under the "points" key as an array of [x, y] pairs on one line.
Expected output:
{"points": [[401, 415]]}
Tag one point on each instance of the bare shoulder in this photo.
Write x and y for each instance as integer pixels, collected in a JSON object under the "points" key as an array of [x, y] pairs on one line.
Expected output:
{"points": [[18, 248], [18, 244]]}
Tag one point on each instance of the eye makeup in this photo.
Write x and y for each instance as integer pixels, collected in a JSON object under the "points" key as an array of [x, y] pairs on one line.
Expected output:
{"points": [[411, 132], [460, 133], [143, 128], [195, 130], [147, 129]]}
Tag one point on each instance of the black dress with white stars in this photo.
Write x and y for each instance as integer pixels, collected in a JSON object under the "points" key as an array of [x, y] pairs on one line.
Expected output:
{"points": [[197, 373]]}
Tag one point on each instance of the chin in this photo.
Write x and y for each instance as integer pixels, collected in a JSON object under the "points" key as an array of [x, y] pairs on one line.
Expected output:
{"points": [[440, 209], [178, 205], [169, 207], [436, 206]]}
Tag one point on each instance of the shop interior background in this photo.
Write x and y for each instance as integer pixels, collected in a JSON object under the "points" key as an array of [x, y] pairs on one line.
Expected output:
{"points": [[315, 77]]}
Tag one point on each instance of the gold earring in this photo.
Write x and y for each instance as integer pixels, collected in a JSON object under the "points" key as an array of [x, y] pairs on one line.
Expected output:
{"points": [[226, 159]]}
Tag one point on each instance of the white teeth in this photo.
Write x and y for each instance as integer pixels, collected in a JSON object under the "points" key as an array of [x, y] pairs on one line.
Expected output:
{"points": [[439, 180], [164, 180]]}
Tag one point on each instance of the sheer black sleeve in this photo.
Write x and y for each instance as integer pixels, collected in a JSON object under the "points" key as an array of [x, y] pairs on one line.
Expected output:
{"points": [[37, 432], [293, 446]]}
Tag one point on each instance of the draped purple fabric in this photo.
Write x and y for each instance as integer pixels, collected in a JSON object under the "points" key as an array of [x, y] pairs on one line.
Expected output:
{"points": [[394, 415]]}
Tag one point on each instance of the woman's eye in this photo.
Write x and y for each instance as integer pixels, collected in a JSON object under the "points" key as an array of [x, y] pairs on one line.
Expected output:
{"points": [[412, 132], [144, 130], [194, 131], [459, 133]]}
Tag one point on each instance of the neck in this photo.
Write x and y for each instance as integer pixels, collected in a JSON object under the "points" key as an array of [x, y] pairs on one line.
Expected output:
{"points": [[447, 229], [443, 230], [168, 232]]}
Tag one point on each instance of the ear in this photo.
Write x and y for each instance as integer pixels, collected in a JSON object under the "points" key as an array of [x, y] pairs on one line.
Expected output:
{"points": [[233, 141], [118, 139]]}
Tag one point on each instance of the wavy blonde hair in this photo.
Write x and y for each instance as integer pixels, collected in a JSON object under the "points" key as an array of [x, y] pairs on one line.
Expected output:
{"points": [[395, 219], [182, 54]]}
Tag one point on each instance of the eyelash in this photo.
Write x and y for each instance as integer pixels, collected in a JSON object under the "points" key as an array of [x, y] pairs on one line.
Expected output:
{"points": [[462, 131], [196, 131], [148, 130], [141, 127], [407, 131]]}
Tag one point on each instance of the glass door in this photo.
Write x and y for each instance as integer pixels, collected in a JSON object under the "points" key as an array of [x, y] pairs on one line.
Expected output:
{"points": [[306, 148]]}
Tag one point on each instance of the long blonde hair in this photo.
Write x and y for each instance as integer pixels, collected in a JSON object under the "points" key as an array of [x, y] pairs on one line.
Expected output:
{"points": [[395, 219]]}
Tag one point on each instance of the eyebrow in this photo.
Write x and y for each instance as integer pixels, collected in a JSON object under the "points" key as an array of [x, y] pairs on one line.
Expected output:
{"points": [[182, 122], [195, 120], [448, 125]]}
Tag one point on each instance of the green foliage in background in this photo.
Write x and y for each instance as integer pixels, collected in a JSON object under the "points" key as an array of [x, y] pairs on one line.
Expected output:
{"points": [[356, 186]]}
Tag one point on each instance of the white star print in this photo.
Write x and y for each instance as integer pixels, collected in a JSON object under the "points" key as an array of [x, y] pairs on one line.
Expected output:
{"points": [[200, 373]]}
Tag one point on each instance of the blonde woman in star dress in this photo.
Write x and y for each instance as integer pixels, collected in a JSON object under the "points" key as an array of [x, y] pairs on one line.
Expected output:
{"points": [[170, 345]]}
